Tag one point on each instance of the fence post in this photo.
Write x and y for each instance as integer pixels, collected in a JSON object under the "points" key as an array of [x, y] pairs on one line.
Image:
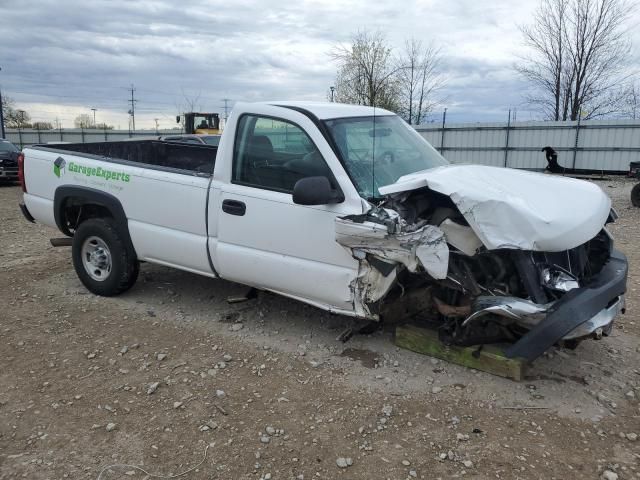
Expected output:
{"points": [[506, 142], [575, 146], [20, 137], [82, 132], [61, 135], [38, 130], [105, 132], [444, 122]]}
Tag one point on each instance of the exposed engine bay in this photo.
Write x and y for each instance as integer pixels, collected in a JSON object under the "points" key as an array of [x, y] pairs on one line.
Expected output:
{"points": [[420, 239]]}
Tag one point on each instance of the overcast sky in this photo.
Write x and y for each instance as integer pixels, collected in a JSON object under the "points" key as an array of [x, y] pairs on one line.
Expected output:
{"points": [[60, 58]]}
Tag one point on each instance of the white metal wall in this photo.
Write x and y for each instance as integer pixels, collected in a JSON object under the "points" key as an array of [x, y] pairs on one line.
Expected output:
{"points": [[594, 145], [607, 145]]}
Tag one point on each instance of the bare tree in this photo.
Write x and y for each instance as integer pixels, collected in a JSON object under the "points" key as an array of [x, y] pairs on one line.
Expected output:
{"points": [[366, 72], [14, 117], [191, 103], [418, 80], [579, 52], [631, 107], [42, 125], [84, 120]]}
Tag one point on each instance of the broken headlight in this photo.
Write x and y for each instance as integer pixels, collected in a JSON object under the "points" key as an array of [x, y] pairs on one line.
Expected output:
{"points": [[558, 279]]}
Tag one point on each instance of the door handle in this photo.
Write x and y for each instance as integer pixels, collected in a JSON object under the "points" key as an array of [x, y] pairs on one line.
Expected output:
{"points": [[234, 207]]}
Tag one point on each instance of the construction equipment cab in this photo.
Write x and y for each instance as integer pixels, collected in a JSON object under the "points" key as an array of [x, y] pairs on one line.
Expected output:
{"points": [[201, 123]]}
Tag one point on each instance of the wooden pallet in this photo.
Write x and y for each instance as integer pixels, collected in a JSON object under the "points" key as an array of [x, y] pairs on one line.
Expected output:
{"points": [[488, 358]]}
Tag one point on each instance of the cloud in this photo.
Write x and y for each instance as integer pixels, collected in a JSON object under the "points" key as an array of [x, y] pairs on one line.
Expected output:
{"points": [[65, 57]]}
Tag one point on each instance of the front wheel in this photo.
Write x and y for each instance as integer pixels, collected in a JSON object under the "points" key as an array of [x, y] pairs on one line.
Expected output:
{"points": [[101, 258], [635, 195]]}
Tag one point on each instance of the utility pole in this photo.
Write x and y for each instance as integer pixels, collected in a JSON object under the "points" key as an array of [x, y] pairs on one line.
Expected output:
{"points": [[333, 91], [132, 112], [156, 120], [94, 117], [226, 110], [1, 116], [21, 116]]}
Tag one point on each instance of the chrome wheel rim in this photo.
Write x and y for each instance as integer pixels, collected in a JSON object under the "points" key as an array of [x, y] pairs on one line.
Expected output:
{"points": [[96, 258]]}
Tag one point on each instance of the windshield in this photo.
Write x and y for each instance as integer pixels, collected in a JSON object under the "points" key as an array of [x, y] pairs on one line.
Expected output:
{"points": [[211, 140], [7, 147], [377, 151]]}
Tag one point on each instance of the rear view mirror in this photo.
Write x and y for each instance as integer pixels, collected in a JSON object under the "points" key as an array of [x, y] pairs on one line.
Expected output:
{"points": [[315, 191], [379, 132]]}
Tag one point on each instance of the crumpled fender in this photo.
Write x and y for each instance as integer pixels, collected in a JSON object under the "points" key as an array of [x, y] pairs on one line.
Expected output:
{"points": [[383, 244], [516, 209], [426, 246]]}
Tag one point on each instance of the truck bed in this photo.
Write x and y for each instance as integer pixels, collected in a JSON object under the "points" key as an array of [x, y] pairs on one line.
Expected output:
{"points": [[180, 157]]}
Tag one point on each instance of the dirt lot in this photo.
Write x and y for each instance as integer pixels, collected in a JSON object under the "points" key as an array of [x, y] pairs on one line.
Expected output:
{"points": [[266, 385]]}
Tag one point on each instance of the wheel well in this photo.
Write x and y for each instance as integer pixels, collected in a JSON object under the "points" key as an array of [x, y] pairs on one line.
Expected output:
{"points": [[76, 210], [73, 205]]}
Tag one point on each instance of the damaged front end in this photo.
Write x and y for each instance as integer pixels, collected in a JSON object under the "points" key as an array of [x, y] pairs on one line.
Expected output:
{"points": [[495, 268]]}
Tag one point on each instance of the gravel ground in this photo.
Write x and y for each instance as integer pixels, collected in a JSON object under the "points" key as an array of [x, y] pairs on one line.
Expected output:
{"points": [[169, 370]]}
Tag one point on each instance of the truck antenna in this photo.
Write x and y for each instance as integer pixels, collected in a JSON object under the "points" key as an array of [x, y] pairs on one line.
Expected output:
{"points": [[373, 155]]}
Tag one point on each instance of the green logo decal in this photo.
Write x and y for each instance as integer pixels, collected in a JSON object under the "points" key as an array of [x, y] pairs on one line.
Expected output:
{"points": [[110, 175], [58, 166]]}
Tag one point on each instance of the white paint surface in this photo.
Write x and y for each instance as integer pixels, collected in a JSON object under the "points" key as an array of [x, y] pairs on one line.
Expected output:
{"points": [[516, 209]]}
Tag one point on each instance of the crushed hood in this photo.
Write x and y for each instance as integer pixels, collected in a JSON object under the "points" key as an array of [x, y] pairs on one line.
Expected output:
{"points": [[516, 209]]}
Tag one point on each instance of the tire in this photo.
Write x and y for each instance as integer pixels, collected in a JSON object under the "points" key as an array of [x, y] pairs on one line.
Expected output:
{"points": [[101, 258], [635, 195]]}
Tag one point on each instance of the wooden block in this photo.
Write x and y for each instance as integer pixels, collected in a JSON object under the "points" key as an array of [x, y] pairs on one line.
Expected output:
{"points": [[488, 359]]}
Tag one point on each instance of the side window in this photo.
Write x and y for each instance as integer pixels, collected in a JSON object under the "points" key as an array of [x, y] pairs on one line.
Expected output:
{"points": [[274, 154]]}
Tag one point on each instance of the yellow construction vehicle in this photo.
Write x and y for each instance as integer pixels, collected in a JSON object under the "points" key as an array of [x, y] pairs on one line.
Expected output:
{"points": [[201, 123]]}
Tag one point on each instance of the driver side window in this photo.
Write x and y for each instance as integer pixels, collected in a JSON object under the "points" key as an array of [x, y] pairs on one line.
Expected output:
{"points": [[274, 154]]}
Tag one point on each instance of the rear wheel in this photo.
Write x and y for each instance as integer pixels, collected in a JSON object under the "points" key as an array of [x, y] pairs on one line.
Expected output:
{"points": [[101, 258], [635, 195]]}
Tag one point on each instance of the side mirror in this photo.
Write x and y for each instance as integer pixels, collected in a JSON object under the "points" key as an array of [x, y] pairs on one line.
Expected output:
{"points": [[177, 118], [315, 191]]}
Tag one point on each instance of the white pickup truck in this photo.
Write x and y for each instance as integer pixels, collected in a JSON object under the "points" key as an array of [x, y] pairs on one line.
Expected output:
{"points": [[346, 208]]}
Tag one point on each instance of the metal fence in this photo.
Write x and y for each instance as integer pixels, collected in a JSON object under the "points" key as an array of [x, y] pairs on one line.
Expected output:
{"points": [[24, 137], [591, 145], [601, 145]]}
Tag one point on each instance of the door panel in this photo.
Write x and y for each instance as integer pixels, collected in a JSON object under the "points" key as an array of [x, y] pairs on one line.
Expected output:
{"points": [[261, 237], [284, 247]]}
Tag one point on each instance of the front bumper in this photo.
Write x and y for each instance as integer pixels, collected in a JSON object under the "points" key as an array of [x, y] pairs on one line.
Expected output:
{"points": [[580, 312], [9, 172], [600, 324]]}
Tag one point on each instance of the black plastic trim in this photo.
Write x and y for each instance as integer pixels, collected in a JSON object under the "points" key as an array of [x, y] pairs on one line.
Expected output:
{"points": [[573, 309], [94, 197], [529, 276], [26, 213], [206, 226], [234, 207]]}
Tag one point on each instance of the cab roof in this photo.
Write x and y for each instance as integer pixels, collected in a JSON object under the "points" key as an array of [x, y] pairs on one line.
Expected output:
{"points": [[327, 110]]}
